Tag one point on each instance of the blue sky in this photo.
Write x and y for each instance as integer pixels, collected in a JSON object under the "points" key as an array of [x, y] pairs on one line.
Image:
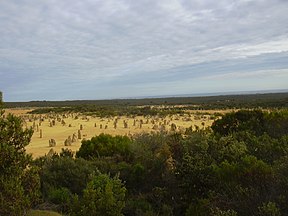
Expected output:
{"points": [[103, 49]]}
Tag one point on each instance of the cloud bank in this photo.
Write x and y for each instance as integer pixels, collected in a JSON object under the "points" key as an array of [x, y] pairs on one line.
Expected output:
{"points": [[95, 49]]}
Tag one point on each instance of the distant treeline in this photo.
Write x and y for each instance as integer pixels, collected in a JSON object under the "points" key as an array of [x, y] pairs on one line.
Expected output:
{"points": [[1, 98], [107, 111], [269, 100]]}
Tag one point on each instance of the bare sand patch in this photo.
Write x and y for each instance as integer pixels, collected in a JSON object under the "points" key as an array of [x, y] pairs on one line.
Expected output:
{"points": [[17, 111], [60, 127]]}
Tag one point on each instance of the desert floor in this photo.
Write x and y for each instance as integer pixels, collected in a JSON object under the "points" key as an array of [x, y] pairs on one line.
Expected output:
{"points": [[60, 127]]}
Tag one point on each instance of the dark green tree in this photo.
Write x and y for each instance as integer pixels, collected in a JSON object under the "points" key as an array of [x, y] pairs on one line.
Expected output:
{"points": [[105, 145], [103, 196], [65, 172], [243, 120], [19, 182], [1, 99]]}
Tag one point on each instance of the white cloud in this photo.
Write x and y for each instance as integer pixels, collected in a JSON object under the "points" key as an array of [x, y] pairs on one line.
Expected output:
{"points": [[114, 39], [279, 73]]}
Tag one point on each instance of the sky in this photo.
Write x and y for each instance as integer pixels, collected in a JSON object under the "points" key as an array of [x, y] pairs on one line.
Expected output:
{"points": [[105, 49]]}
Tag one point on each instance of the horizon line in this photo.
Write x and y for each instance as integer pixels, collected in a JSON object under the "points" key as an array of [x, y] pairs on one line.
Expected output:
{"points": [[208, 94]]}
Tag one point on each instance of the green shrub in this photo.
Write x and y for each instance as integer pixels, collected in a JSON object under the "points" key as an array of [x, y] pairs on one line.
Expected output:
{"points": [[105, 145], [102, 196], [19, 181]]}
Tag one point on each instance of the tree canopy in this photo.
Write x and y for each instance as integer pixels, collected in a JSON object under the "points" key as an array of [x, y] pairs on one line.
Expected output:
{"points": [[19, 182], [236, 167]]}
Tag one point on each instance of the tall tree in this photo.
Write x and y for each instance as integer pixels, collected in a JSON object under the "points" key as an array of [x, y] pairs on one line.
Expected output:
{"points": [[1, 99], [19, 182]]}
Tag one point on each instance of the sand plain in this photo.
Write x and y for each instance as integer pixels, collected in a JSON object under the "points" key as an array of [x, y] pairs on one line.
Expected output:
{"points": [[59, 127]]}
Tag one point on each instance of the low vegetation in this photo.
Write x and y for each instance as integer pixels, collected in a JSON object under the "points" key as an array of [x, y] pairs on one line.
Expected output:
{"points": [[268, 100], [112, 111], [236, 167], [42, 213]]}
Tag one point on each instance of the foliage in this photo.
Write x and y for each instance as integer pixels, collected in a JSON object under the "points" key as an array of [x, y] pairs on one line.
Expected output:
{"points": [[65, 172], [239, 121], [269, 100], [219, 212], [13, 158], [102, 196], [42, 213], [19, 182], [109, 110], [105, 145], [277, 123], [1, 99], [269, 209], [257, 122], [232, 169], [237, 168], [61, 197]]}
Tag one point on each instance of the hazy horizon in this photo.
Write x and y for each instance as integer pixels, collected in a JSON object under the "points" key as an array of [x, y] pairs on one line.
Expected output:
{"points": [[92, 49], [207, 94]]}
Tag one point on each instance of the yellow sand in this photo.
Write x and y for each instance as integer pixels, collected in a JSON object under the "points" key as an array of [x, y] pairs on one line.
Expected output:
{"points": [[40, 146]]}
